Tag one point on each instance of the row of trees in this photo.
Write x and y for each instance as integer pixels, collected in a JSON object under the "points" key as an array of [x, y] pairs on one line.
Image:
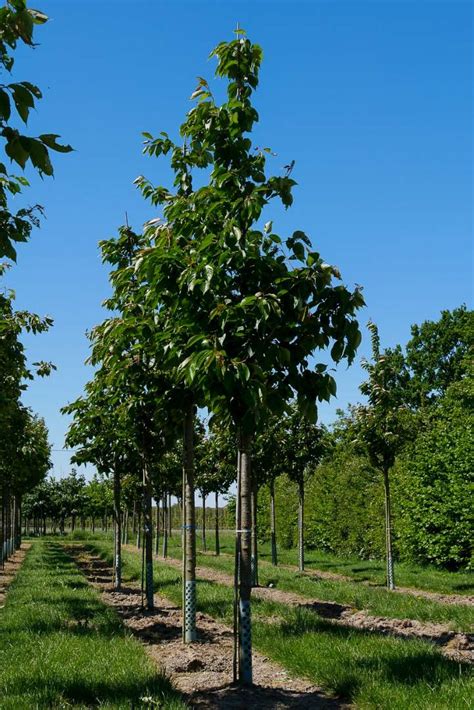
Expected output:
{"points": [[24, 448], [430, 431], [210, 309]]}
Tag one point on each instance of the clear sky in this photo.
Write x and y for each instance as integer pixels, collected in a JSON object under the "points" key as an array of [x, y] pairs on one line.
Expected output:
{"points": [[373, 100]]}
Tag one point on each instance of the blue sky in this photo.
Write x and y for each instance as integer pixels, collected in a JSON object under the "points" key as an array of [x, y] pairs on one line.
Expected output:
{"points": [[373, 100]]}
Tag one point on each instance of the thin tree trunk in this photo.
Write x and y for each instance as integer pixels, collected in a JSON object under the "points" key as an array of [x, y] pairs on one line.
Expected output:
{"points": [[388, 532], [218, 547], [254, 557], [204, 545], [118, 532], [139, 529], [245, 581], [166, 513], [148, 537], [301, 526], [170, 518], [273, 523], [189, 522], [14, 524], [157, 526]]}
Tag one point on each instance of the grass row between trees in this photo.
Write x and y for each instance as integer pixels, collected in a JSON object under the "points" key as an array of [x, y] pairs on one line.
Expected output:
{"points": [[365, 668], [422, 577], [61, 647]]}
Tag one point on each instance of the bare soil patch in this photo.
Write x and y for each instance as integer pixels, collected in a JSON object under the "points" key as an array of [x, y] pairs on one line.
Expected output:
{"points": [[457, 646], [202, 671], [9, 570]]}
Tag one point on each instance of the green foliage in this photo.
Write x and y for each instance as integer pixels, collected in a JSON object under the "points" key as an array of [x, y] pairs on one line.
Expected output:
{"points": [[437, 505], [241, 309], [437, 354], [17, 99]]}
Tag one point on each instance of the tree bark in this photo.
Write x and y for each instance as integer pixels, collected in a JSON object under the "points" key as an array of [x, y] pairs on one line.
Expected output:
{"points": [[204, 545], [125, 531], [388, 532], [118, 531], [189, 523], [218, 546], [273, 524], [301, 526], [166, 513], [157, 526], [254, 556], [139, 529], [148, 537], [245, 568], [170, 521]]}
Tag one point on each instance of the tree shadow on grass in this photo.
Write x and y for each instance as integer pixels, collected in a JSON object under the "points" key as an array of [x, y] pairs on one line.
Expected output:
{"points": [[52, 693], [406, 663]]}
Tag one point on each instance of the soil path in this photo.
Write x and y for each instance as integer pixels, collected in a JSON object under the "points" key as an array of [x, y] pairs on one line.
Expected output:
{"points": [[202, 671], [458, 646], [339, 577], [9, 570]]}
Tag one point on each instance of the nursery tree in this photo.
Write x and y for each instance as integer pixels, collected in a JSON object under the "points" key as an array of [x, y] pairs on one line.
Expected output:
{"points": [[242, 310], [304, 446], [384, 424], [268, 458]]}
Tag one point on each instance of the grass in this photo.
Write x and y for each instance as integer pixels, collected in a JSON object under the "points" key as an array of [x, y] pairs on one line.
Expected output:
{"points": [[406, 575], [61, 647], [370, 670], [376, 600]]}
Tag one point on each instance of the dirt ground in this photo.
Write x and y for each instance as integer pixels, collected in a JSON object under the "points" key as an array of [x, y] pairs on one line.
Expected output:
{"points": [[11, 567], [457, 646], [202, 671]]}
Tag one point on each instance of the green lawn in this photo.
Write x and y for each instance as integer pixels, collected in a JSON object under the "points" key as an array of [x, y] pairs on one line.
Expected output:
{"points": [[376, 600], [373, 671], [406, 575], [61, 647]]}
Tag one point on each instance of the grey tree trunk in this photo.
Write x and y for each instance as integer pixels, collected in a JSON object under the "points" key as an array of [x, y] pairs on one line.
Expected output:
{"points": [[204, 542], [157, 526], [388, 532], [254, 556], [165, 526], [189, 529], [148, 537], [170, 521], [245, 567], [118, 532], [218, 546], [139, 530], [301, 526], [125, 532], [273, 524]]}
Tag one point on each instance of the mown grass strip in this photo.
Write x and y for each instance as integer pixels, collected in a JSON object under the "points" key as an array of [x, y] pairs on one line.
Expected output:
{"points": [[415, 576], [370, 670], [61, 647], [377, 601]]}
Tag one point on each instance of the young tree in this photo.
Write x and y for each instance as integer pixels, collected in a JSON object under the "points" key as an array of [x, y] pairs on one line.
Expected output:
{"points": [[304, 448], [268, 457], [383, 426], [242, 312]]}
